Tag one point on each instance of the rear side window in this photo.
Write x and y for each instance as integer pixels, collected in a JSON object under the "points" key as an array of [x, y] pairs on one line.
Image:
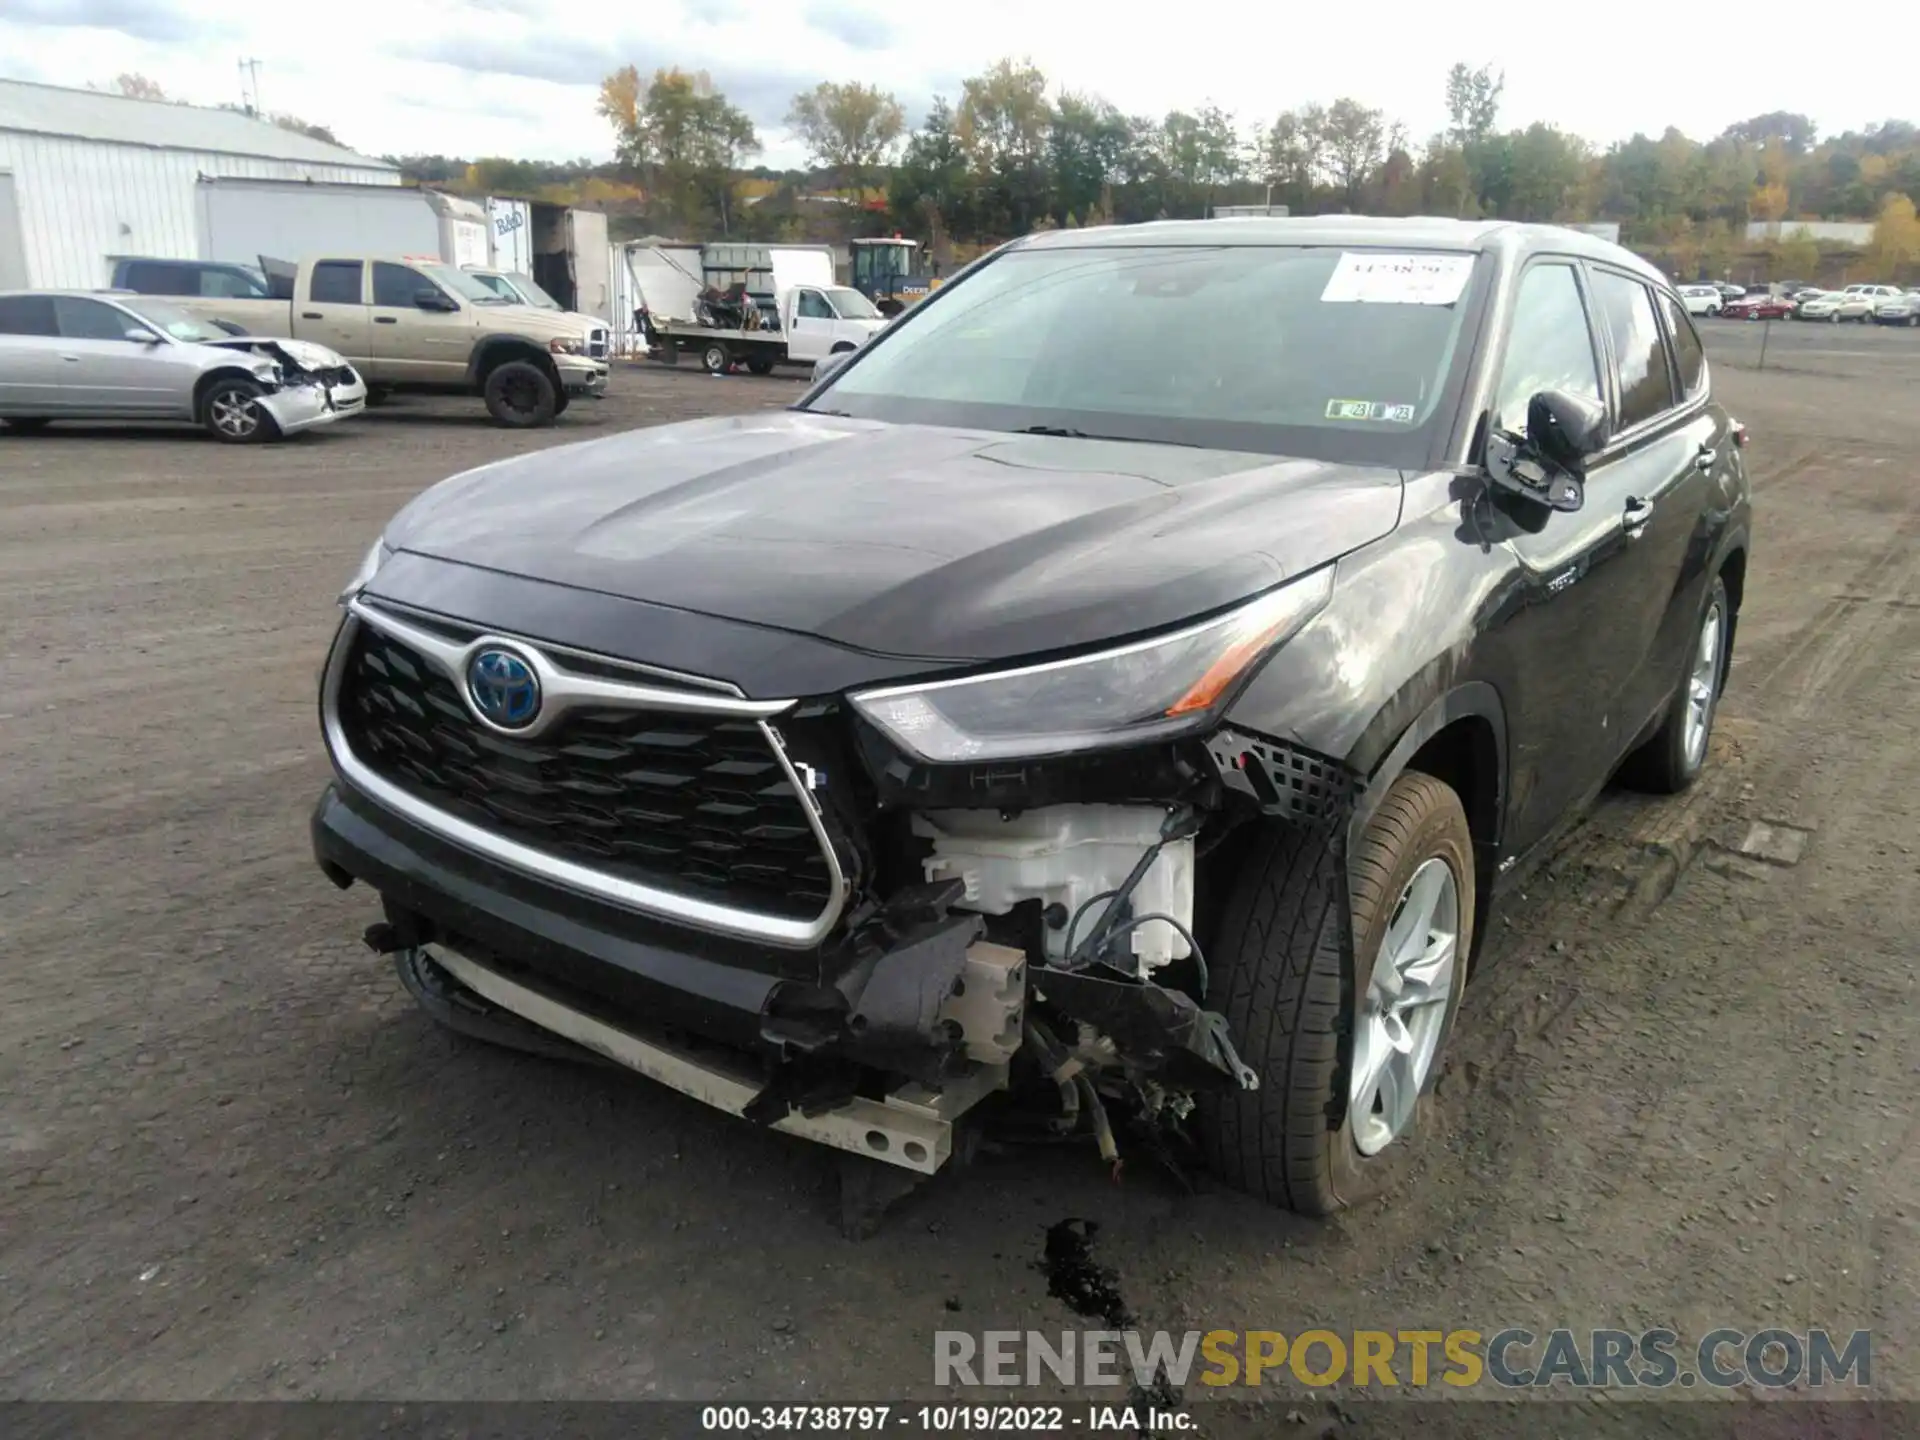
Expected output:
{"points": [[151, 279], [1626, 308], [27, 315], [1549, 346], [1689, 357], [336, 282]]}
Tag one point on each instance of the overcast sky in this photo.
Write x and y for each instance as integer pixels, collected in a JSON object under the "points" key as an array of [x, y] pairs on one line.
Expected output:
{"points": [[517, 77]]}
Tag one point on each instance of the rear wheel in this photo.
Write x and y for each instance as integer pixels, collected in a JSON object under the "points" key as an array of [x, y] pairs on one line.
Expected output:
{"points": [[231, 413], [760, 366], [520, 395], [27, 425], [1673, 759], [1345, 1045]]}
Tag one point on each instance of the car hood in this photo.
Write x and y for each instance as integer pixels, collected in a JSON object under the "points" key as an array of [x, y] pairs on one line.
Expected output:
{"points": [[304, 353], [905, 540]]}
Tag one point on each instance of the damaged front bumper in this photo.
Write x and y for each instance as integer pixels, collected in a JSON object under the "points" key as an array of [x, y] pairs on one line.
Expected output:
{"points": [[875, 1043]]}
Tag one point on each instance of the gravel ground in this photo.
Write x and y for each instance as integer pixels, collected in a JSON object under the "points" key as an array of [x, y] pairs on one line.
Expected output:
{"points": [[238, 1164]]}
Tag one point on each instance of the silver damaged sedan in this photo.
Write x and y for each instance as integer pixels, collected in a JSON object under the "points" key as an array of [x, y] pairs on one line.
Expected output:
{"points": [[80, 355]]}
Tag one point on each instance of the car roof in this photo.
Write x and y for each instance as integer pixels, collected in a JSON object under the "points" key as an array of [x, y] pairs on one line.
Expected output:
{"points": [[1421, 232], [94, 294]]}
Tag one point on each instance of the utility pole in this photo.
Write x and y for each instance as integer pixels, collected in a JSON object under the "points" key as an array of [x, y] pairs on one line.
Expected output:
{"points": [[250, 86]]}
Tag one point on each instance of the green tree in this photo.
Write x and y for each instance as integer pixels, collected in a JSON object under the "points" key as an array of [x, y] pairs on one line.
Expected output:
{"points": [[1003, 123], [1088, 146], [1356, 145], [1473, 103], [848, 128], [931, 184], [1296, 155]]}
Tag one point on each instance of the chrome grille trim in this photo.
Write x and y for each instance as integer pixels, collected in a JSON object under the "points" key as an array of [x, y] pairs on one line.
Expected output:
{"points": [[780, 931]]}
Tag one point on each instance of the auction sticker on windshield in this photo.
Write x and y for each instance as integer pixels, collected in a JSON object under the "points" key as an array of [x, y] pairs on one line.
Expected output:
{"points": [[1398, 279], [1369, 410]]}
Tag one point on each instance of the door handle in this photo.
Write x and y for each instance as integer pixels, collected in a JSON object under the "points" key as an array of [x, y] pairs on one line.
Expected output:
{"points": [[311, 315], [1704, 460], [386, 320], [1638, 513]]}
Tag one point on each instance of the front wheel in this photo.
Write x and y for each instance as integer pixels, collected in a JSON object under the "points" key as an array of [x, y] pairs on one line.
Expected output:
{"points": [[231, 413], [1345, 1044], [716, 359], [520, 395]]}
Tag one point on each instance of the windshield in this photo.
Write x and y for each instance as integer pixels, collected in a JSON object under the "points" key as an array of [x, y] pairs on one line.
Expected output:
{"points": [[851, 304], [532, 294], [878, 262], [177, 323], [1287, 350], [467, 287]]}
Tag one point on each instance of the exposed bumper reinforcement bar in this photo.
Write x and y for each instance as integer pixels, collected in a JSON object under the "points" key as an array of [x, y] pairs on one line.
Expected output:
{"points": [[911, 1128]]}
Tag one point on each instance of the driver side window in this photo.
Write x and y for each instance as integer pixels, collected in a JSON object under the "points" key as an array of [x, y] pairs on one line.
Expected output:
{"points": [[813, 306], [1549, 346]]}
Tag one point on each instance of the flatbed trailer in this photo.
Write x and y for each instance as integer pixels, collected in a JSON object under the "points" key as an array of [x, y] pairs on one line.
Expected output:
{"points": [[815, 321], [718, 351]]}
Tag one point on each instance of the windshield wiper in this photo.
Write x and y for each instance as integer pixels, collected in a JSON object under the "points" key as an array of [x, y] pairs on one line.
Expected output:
{"points": [[1068, 433]]}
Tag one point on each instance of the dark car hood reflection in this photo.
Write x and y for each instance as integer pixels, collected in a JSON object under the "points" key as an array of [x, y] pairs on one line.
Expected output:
{"points": [[905, 539]]}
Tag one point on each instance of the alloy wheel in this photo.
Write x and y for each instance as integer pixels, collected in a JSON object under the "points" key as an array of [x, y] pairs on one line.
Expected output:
{"points": [[235, 414], [1703, 685], [1403, 1014]]}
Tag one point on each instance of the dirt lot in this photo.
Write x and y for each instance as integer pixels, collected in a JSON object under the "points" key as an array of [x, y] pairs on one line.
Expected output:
{"points": [[234, 1162]]}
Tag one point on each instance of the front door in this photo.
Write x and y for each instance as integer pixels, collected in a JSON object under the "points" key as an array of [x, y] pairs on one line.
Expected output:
{"points": [[811, 326], [411, 342], [105, 373], [1575, 636]]}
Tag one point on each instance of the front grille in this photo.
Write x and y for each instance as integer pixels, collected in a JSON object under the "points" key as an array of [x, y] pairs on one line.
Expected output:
{"points": [[695, 804], [597, 344]]}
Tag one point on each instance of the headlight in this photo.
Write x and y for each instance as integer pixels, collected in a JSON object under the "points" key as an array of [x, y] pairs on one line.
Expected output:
{"points": [[369, 567], [567, 347], [1139, 692]]}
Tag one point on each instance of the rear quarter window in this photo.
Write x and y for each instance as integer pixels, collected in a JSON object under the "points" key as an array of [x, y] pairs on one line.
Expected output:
{"points": [[1689, 356]]}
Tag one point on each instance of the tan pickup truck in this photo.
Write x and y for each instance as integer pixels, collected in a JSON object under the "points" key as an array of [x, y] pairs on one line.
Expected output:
{"points": [[405, 325]]}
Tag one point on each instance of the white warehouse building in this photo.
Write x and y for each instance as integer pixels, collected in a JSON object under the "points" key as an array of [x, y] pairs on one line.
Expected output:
{"points": [[85, 176]]}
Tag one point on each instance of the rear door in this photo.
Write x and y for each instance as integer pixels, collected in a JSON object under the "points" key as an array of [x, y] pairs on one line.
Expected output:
{"points": [[332, 310], [30, 361], [415, 345]]}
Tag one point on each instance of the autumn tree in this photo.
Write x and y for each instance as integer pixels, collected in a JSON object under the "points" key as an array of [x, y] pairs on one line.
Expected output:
{"points": [[682, 135], [136, 86], [848, 128], [1003, 122], [1896, 237]]}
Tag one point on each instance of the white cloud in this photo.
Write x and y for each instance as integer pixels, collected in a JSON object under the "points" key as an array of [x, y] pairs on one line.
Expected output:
{"points": [[518, 77]]}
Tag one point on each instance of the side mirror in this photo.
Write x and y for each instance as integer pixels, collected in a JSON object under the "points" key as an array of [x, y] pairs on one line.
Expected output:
{"points": [[825, 369], [140, 335], [427, 298], [1548, 465]]}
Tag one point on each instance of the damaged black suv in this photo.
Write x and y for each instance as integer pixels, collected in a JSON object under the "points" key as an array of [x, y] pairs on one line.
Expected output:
{"points": [[1126, 681]]}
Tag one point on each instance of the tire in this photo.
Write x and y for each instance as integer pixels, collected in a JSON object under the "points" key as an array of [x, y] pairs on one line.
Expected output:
{"points": [[378, 395], [520, 395], [27, 424], [716, 359], [1300, 1010], [760, 366], [560, 403], [229, 414], [1834, 318], [1672, 759]]}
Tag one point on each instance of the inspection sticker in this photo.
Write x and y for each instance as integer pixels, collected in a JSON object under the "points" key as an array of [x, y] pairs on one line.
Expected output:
{"points": [[1398, 279], [1369, 410]]}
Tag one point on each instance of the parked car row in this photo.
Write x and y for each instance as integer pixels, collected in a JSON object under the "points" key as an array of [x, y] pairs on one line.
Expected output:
{"points": [[261, 353], [1885, 304]]}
